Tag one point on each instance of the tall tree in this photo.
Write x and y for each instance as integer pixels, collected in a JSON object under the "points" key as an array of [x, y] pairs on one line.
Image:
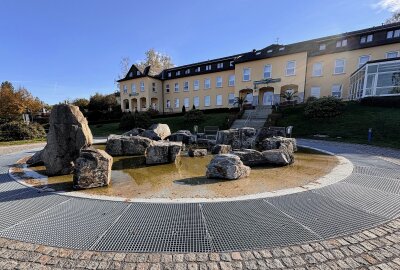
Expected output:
{"points": [[99, 102], [82, 103], [395, 18], [156, 60]]}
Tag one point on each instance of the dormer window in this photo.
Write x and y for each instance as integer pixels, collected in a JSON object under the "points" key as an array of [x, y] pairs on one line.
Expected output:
{"points": [[169, 74], [258, 53], [197, 69], [187, 71], [138, 73], [178, 73], [269, 51], [282, 48], [393, 34], [322, 47], [341, 43], [208, 67], [220, 65], [366, 39], [231, 63], [131, 74]]}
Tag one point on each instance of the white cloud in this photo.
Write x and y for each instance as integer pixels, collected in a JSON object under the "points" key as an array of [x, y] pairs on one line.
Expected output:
{"points": [[390, 5]]}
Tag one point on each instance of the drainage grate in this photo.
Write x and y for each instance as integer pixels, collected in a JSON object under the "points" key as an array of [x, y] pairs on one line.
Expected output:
{"points": [[22, 206], [146, 227], [386, 173], [371, 200], [251, 224], [323, 215], [76, 223], [384, 184]]}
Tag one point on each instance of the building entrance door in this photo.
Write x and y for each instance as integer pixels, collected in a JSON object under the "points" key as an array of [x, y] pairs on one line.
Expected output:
{"points": [[268, 98]]}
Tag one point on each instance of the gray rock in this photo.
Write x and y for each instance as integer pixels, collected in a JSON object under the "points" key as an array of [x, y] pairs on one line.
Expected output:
{"points": [[118, 145], [68, 134], [181, 137], [221, 149], [134, 132], [276, 142], [237, 138], [207, 143], [160, 152], [227, 166], [282, 156], [197, 152], [151, 134], [247, 137], [251, 157], [36, 159], [92, 169], [162, 130], [185, 131]]}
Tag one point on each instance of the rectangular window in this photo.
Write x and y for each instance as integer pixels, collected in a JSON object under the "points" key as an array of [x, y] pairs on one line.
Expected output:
{"points": [[125, 89], [207, 83], [196, 85], [207, 101], [177, 103], [317, 69], [231, 63], [177, 73], [220, 65], [389, 34], [231, 81], [138, 73], [186, 86], [141, 86], [208, 67], [246, 74], [169, 74], [396, 33], [197, 69], [176, 88], [231, 98], [267, 71], [316, 92], [187, 71], [366, 39], [291, 68], [322, 47], [337, 90], [363, 59], [196, 102], [168, 103], [219, 100], [341, 43], [133, 87], [167, 88], [339, 66], [390, 55], [186, 102], [153, 86], [218, 82]]}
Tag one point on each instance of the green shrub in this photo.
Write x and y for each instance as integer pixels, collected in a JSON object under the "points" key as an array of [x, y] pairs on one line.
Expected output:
{"points": [[183, 109], [388, 101], [14, 131], [325, 107], [135, 120], [194, 116], [152, 112]]}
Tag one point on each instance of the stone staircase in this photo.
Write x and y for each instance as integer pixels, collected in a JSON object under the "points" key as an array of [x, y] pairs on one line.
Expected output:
{"points": [[253, 118]]}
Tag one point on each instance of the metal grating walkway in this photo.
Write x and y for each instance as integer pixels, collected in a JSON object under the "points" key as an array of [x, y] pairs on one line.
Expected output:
{"points": [[370, 196]]}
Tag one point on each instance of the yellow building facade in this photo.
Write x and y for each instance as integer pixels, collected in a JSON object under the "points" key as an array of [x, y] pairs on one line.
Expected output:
{"points": [[319, 67]]}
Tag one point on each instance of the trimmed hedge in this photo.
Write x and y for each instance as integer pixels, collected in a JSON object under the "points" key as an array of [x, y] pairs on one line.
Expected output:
{"points": [[325, 107], [389, 101], [15, 131]]}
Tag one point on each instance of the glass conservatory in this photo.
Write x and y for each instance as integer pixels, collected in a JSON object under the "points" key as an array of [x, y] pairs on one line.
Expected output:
{"points": [[376, 78]]}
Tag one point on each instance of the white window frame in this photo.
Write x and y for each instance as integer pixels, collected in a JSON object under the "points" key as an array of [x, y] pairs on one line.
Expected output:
{"points": [[231, 63], [218, 82], [186, 86], [142, 86], [231, 98], [197, 69], [205, 101], [314, 70], [168, 103], [187, 71], [341, 43], [314, 88], [387, 54], [270, 71], [176, 87], [244, 74], [196, 85], [196, 101], [208, 67], [125, 89], [218, 100], [178, 73], [336, 66], [361, 56], [340, 86], [186, 102], [138, 73], [167, 89], [133, 88], [287, 68], [390, 34], [231, 82], [322, 47], [176, 103], [220, 65], [207, 83]]}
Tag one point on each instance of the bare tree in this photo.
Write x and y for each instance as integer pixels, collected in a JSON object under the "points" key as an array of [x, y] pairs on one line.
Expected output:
{"points": [[158, 61], [395, 18]]}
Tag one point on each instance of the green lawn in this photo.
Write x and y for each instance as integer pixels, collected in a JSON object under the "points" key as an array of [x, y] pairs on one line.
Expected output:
{"points": [[351, 126], [174, 122]]}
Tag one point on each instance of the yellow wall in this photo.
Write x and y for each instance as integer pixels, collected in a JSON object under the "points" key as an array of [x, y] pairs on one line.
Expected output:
{"points": [[328, 78]]}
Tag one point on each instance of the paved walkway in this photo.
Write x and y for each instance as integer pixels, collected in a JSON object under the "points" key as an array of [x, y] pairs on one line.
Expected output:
{"points": [[284, 232]]}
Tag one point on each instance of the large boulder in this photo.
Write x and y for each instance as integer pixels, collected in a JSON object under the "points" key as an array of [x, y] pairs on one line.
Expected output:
{"points": [[181, 136], [134, 132], [251, 157], [282, 156], [151, 134], [92, 169], [162, 130], [227, 166], [197, 152], [247, 137], [242, 138], [207, 143], [221, 149], [276, 142], [68, 134], [118, 145], [160, 152], [36, 159]]}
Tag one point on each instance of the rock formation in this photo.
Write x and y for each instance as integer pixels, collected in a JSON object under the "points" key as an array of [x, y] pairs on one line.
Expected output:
{"points": [[227, 166], [118, 145], [221, 149], [197, 152], [160, 152]]}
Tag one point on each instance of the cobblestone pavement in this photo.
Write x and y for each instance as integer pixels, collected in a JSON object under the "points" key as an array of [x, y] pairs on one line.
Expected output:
{"points": [[376, 248]]}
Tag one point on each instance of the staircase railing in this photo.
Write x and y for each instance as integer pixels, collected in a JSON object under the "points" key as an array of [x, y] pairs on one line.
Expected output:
{"points": [[248, 118]]}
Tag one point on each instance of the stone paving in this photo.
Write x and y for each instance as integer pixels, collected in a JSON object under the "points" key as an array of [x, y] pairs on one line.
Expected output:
{"points": [[5, 150], [376, 248]]}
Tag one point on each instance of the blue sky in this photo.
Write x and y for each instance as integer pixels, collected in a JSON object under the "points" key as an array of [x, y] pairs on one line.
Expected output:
{"points": [[72, 48]]}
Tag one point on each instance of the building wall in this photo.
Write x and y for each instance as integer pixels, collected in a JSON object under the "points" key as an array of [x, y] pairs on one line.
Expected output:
{"points": [[328, 78], [201, 93]]}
